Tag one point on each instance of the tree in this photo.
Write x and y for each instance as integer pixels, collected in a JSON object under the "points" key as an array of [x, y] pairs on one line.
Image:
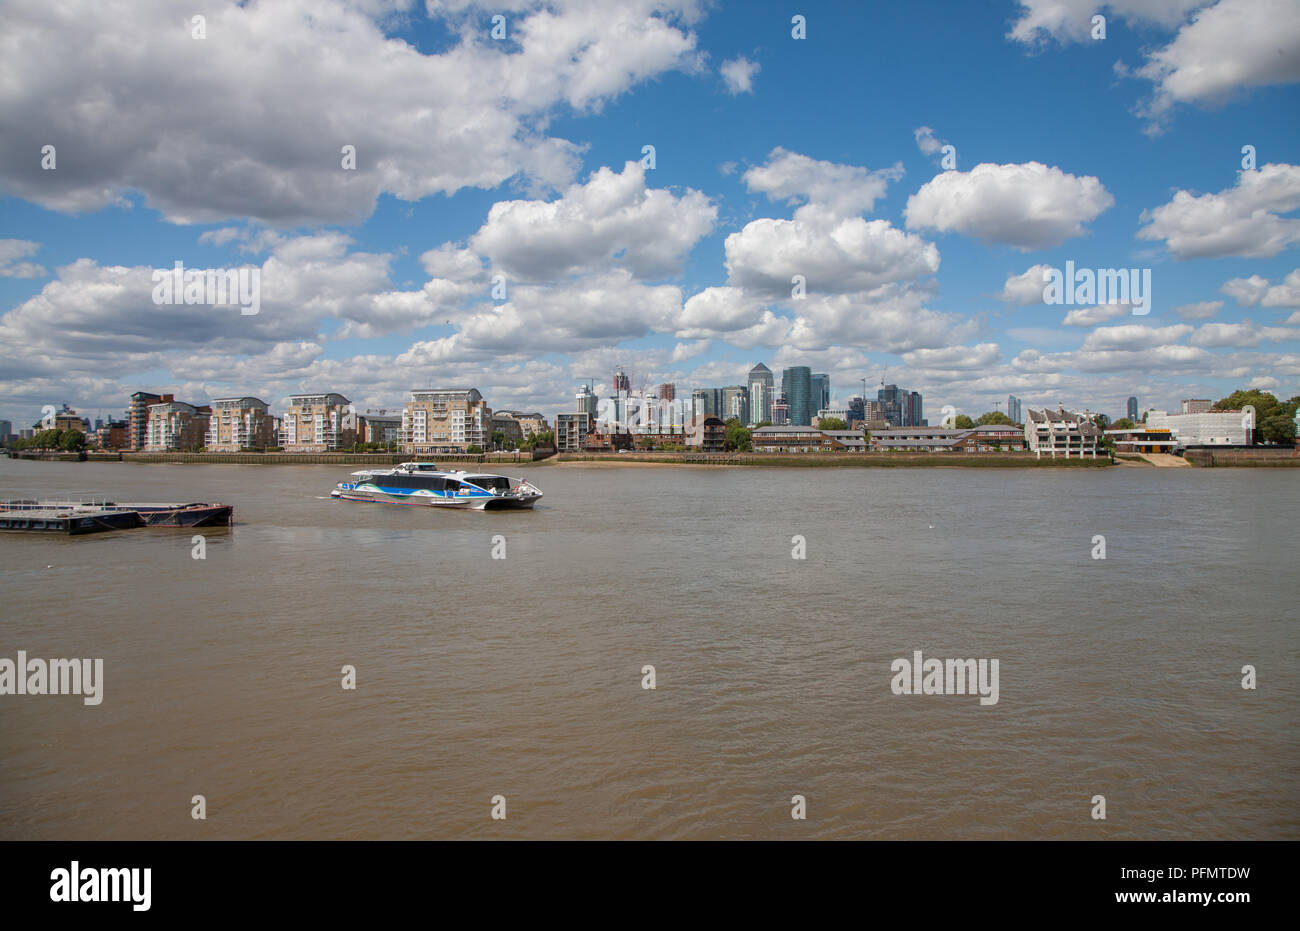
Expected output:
{"points": [[47, 439], [1274, 419], [1101, 421], [995, 418], [832, 423], [737, 437], [1123, 424], [498, 439], [474, 449], [72, 440], [963, 422], [762, 423], [545, 438]]}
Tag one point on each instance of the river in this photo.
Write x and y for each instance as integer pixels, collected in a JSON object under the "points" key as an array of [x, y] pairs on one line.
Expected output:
{"points": [[522, 676]]}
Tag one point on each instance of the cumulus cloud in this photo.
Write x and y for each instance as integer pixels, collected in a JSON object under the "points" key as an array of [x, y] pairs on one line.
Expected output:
{"points": [[1243, 335], [925, 140], [1027, 287], [842, 190], [738, 73], [1134, 336], [1243, 220], [11, 250], [259, 134], [1071, 20], [954, 358], [1229, 46], [1256, 290], [1246, 291], [612, 218], [838, 257], [1095, 314], [1028, 206]]}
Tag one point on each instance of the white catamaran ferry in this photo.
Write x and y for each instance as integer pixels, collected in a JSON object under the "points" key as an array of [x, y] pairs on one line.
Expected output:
{"points": [[424, 484]]}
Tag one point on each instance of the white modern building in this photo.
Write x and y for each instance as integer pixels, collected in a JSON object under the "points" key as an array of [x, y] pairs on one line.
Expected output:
{"points": [[1061, 433], [1206, 428]]}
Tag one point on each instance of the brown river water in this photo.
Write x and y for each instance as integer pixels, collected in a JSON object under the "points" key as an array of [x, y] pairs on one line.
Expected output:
{"points": [[522, 677]]}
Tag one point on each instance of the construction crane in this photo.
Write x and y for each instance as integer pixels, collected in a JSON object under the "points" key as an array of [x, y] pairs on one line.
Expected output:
{"points": [[882, 375]]}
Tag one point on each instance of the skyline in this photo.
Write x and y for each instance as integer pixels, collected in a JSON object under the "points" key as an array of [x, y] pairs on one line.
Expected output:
{"points": [[522, 158]]}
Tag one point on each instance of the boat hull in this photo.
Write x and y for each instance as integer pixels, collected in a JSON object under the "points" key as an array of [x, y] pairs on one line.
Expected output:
{"points": [[466, 503]]}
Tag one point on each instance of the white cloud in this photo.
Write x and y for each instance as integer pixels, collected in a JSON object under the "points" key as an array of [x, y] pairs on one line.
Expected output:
{"points": [[1246, 291], [954, 358], [1095, 314], [1028, 206], [13, 249], [1134, 336], [925, 140], [739, 74], [1071, 20], [838, 257], [1256, 290], [842, 190], [1027, 287], [612, 219], [1230, 46], [1243, 335], [258, 134], [1240, 221]]}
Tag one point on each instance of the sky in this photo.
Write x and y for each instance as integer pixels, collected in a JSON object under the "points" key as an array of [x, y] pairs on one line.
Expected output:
{"points": [[505, 226]]}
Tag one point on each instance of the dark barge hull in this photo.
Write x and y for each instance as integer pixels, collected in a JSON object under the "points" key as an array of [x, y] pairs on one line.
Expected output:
{"points": [[58, 517]]}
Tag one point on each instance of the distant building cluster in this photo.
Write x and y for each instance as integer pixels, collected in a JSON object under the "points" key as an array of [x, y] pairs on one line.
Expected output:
{"points": [[657, 416], [432, 421]]}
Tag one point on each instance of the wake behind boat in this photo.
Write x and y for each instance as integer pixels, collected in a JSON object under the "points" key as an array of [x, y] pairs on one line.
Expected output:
{"points": [[424, 484]]}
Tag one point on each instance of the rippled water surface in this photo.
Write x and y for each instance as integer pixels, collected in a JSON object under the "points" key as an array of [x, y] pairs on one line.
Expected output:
{"points": [[522, 677]]}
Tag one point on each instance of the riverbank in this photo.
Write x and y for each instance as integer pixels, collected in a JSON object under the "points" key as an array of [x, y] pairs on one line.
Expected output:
{"points": [[344, 459], [835, 460]]}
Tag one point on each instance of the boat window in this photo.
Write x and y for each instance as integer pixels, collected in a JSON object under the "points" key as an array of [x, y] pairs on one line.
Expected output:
{"points": [[490, 482], [427, 482]]}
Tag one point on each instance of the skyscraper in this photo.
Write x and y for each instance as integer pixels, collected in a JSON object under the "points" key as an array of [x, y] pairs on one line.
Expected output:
{"points": [[1133, 409], [622, 384], [1013, 408], [796, 385], [760, 393], [587, 403], [667, 391], [735, 403], [707, 402], [821, 392], [893, 405], [915, 416]]}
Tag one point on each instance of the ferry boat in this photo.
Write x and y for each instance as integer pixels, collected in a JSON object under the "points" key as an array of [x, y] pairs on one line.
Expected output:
{"points": [[424, 484]]}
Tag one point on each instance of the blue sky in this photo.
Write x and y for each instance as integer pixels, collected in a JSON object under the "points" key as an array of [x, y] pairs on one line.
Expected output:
{"points": [[224, 150]]}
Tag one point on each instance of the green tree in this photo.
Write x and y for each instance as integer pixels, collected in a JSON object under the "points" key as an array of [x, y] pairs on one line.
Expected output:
{"points": [[737, 436], [1123, 424], [995, 418], [1274, 419], [72, 440], [498, 439], [762, 423], [474, 449], [963, 422], [832, 423]]}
